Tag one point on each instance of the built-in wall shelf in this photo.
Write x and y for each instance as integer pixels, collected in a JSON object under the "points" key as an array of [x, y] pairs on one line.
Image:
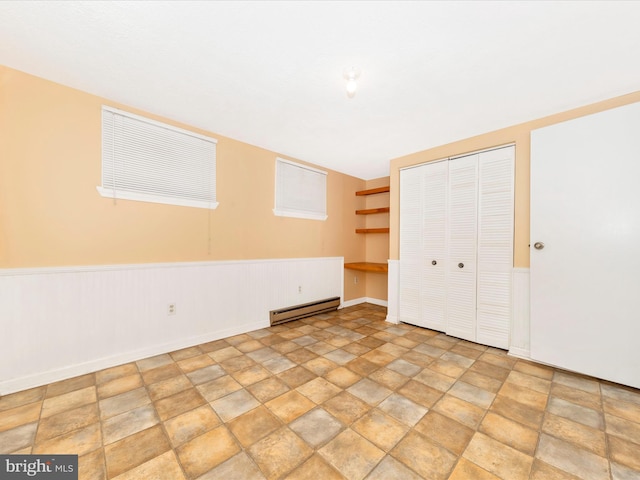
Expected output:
{"points": [[367, 267], [370, 211], [372, 230], [373, 191]]}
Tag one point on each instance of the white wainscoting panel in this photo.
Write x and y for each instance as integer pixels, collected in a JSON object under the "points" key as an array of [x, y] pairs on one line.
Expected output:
{"points": [[520, 323], [393, 291], [61, 322]]}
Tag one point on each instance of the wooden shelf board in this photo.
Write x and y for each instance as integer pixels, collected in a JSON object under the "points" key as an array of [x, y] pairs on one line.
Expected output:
{"points": [[369, 211], [372, 230], [373, 191], [367, 267]]}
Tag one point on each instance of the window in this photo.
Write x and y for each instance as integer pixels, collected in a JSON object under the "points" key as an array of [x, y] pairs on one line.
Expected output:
{"points": [[150, 161], [301, 191]]}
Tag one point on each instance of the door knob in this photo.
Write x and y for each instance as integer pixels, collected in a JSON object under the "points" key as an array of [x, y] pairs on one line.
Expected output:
{"points": [[538, 245], [433, 262], [461, 265]]}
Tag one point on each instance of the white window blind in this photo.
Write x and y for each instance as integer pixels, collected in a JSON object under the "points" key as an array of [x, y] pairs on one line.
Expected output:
{"points": [[301, 191], [150, 161]]}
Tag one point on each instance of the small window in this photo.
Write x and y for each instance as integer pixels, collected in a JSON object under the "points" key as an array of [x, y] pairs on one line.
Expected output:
{"points": [[150, 161], [301, 191]]}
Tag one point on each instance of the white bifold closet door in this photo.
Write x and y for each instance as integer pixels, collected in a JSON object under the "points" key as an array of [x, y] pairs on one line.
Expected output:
{"points": [[456, 246], [423, 245]]}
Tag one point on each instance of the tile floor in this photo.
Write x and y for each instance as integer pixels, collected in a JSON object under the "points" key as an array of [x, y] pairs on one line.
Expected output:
{"points": [[341, 395]]}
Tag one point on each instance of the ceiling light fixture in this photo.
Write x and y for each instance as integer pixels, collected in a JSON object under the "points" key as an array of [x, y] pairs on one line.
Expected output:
{"points": [[351, 75]]}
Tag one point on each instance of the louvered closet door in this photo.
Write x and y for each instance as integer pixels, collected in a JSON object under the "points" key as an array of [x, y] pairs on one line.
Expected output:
{"points": [[433, 266], [462, 236], [410, 308], [495, 246]]}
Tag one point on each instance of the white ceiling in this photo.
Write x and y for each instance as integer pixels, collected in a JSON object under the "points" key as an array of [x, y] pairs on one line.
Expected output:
{"points": [[270, 73]]}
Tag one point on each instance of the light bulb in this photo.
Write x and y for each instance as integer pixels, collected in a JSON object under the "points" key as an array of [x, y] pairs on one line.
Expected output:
{"points": [[351, 87]]}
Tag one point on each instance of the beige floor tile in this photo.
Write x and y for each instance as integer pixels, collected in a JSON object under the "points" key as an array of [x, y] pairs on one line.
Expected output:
{"points": [[498, 458], [579, 397], [206, 374], [577, 413], [66, 422], [620, 408], [510, 433], [467, 351], [179, 403], [445, 431], [268, 389], [19, 399], [535, 369], [417, 358], [118, 404], [342, 377], [403, 409], [191, 424], [186, 353], [391, 469], [17, 438], [482, 381], [319, 390], [154, 362], [161, 373], [225, 354], [369, 391], [620, 392], [346, 408], [571, 459], [339, 453], [162, 467], [250, 345], [529, 397], [189, 365], [234, 405], [313, 469], [254, 425], [235, 364], [403, 367], [301, 355], [623, 428], [294, 377], [218, 388], [70, 385], [362, 366], [263, 354], [22, 415], [238, 467], [381, 429], [435, 379], [77, 442], [168, 387], [68, 401], [579, 382], [279, 453], [576, 433], [544, 471], [389, 378], [472, 394], [424, 457], [378, 357], [517, 411], [466, 470], [320, 365], [450, 369], [207, 451], [109, 374], [128, 423], [529, 381], [621, 472], [316, 427], [500, 360], [118, 386], [420, 393], [624, 452], [289, 406], [490, 370], [91, 466], [459, 410]]}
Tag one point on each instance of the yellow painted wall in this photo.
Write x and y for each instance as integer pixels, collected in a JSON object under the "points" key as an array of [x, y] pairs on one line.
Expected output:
{"points": [[52, 215], [520, 135]]}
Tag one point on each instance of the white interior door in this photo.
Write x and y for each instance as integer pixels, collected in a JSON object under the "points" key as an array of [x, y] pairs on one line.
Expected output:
{"points": [[585, 281], [462, 237]]}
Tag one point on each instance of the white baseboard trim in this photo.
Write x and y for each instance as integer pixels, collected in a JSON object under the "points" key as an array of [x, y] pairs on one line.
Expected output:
{"points": [[357, 301], [520, 353], [71, 371]]}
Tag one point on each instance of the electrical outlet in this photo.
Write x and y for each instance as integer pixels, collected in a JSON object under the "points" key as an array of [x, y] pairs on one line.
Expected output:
{"points": [[171, 309], [299, 288], [355, 279]]}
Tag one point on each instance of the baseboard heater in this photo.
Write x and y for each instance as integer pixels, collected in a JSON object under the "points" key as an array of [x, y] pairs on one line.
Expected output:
{"points": [[288, 314]]}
